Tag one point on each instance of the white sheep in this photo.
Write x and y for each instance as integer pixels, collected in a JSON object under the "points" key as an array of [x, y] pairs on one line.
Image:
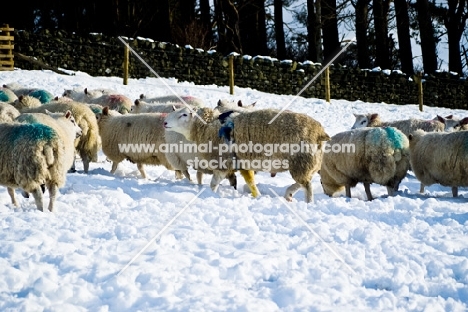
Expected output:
{"points": [[225, 105], [407, 126], [136, 138], [36, 154], [253, 128], [8, 112], [119, 102], [172, 99], [89, 144], [25, 102], [452, 123], [84, 95], [368, 155], [440, 158], [7, 96]]}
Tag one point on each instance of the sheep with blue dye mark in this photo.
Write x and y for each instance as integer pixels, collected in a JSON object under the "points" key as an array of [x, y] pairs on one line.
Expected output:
{"points": [[440, 158], [89, 144], [136, 138], [42, 95], [407, 126], [369, 155], [254, 127], [8, 112], [7, 96], [35, 154]]}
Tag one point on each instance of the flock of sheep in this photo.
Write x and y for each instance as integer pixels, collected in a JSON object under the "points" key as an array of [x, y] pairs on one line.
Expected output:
{"points": [[41, 135]]}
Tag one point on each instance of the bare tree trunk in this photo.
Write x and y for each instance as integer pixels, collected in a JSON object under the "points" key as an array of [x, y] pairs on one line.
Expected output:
{"points": [[331, 40], [227, 18], [428, 41], [362, 41], [455, 21], [404, 39], [279, 31], [382, 45], [252, 26], [313, 31]]}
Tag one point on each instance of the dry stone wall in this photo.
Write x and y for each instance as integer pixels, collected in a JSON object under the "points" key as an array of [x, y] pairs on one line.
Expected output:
{"points": [[100, 55]]}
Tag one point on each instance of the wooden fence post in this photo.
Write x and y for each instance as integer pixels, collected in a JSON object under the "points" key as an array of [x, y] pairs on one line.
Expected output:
{"points": [[125, 65], [418, 79], [327, 84], [231, 74], [6, 48]]}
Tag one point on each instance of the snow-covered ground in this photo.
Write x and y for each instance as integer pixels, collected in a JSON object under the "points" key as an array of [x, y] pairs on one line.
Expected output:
{"points": [[121, 243]]}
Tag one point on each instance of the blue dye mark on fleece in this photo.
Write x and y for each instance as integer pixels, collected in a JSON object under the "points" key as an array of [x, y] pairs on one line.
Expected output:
{"points": [[4, 97], [32, 132], [225, 131], [396, 137], [27, 118], [42, 95]]}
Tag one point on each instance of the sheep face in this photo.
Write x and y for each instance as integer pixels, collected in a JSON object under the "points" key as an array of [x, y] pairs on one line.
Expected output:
{"points": [[452, 124], [180, 120], [363, 120], [226, 105]]}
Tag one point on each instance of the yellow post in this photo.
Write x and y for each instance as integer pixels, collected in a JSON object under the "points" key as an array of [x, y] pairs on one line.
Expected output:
{"points": [[327, 84], [421, 93], [125, 65], [418, 79], [231, 75]]}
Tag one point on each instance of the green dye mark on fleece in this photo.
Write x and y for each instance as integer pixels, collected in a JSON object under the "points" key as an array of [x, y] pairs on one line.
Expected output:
{"points": [[42, 95], [32, 132], [396, 137], [4, 97]]}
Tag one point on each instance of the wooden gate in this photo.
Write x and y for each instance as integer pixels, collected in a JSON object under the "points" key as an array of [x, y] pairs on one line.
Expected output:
{"points": [[6, 48]]}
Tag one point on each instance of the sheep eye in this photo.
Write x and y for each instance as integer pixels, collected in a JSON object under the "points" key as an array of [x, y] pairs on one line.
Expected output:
{"points": [[363, 122]]}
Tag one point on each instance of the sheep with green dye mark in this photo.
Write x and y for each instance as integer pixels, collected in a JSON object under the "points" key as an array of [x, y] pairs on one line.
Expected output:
{"points": [[368, 155], [8, 112], [7, 96], [440, 158], [405, 125], [42, 95], [89, 144], [136, 138], [36, 154]]}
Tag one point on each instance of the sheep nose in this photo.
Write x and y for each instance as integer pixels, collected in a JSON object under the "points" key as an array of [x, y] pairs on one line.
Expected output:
{"points": [[165, 124]]}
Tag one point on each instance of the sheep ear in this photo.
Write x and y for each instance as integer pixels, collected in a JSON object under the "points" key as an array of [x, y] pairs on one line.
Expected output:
{"points": [[137, 102], [373, 116], [449, 117], [410, 137], [219, 103], [85, 90], [142, 96], [105, 110], [239, 103], [68, 114], [441, 119], [464, 121], [56, 98], [253, 104]]}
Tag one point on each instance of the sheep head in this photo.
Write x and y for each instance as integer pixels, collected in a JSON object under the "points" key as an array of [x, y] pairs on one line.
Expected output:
{"points": [[365, 120], [180, 120]]}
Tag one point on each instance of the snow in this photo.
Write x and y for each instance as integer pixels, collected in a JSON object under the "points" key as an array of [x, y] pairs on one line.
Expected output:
{"points": [[122, 243]]}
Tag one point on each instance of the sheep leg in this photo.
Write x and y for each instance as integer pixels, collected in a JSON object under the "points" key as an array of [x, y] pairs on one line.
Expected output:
{"points": [[309, 195], [421, 188], [348, 191], [368, 192], [73, 167], [216, 180], [53, 188], [141, 168], [179, 175], [199, 177], [390, 191], [290, 191], [455, 191], [85, 160], [249, 179], [114, 167], [37, 193], [232, 179], [11, 192]]}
